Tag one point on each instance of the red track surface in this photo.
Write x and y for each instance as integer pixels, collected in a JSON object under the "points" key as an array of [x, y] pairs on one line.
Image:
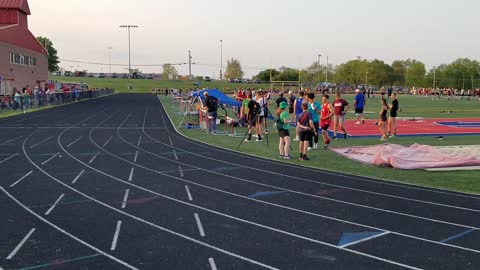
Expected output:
{"points": [[414, 128]]}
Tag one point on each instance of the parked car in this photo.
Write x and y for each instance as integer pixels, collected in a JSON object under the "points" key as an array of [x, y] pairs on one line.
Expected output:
{"points": [[249, 81], [68, 74], [231, 80], [101, 75], [257, 82], [91, 75], [149, 77], [238, 80], [207, 79]]}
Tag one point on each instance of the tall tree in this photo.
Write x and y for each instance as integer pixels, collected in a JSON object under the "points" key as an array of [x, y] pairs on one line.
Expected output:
{"points": [[234, 69], [169, 72], [264, 75], [52, 53]]}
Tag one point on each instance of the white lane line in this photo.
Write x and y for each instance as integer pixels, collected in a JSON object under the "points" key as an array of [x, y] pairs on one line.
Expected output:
{"points": [[94, 157], [139, 141], [130, 177], [108, 140], [19, 180], [199, 225], [64, 232], [170, 140], [181, 171], [37, 144], [136, 156], [54, 204], [19, 246], [364, 239], [213, 266], [125, 198], [78, 176], [72, 143], [175, 154], [188, 193], [115, 236], [52, 157], [8, 158], [7, 142]]}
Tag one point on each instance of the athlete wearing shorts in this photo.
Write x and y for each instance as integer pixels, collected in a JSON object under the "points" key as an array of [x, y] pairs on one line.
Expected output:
{"points": [[341, 108]]}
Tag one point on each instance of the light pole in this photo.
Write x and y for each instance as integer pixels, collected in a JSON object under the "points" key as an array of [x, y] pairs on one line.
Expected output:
{"points": [[434, 78], [110, 59], [221, 59], [129, 48], [359, 58], [190, 66], [319, 67]]}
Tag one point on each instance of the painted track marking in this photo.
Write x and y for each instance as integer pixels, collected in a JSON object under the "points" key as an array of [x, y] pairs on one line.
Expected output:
{"points": [[108, 141], [188, 193], [8, 158], [19, 246], [67, 233], [54, 205], [175, 154], [115, 236], [139, 141], [364, 239], [19, 180], [130, 176], [213, 266], [72, 143], [199, 225], [125, 198], [94, 157], [51, 158], [9, 141], [37, 144], [180, 170], [136, 156], [78, 177]]}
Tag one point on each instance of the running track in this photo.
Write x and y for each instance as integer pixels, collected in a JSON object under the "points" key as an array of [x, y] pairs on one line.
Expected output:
{"points": [[109, 184]]}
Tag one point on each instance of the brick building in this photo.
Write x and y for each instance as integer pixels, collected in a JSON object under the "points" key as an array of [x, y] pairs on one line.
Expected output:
{"points": [[23, 60]]}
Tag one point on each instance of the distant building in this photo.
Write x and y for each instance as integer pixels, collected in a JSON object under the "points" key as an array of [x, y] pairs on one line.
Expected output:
{"points": [[23, 60]]}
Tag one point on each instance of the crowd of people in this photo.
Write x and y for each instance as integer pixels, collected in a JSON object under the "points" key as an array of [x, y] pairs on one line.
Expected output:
{"points": [[25, 98], [312, 119]]}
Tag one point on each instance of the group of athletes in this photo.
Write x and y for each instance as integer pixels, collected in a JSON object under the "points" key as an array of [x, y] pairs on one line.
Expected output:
{"points": [[312, 117]]}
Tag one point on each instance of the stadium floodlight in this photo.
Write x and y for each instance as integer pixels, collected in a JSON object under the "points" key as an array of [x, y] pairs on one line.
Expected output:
{"points": [[319, 67], [129, 47]]}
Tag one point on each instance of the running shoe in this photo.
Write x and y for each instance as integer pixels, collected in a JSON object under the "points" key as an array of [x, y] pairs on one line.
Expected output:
{"points": [[305, 158], [281, 156], [384, 139], [296, 139], [248, 140], [334, 138], [315, 146], [309, 149], [259, 140], [357, 123], [287, 157]]}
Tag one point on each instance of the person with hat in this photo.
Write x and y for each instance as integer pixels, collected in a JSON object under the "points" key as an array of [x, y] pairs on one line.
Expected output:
{"points": [[283, 130], [211, 105], [359, 106]]}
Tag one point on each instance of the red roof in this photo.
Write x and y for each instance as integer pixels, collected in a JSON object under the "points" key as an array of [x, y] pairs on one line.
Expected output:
{"points": [[16, 4]]}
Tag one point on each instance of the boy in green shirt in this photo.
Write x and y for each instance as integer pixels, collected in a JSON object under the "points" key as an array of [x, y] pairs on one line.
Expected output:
{"points": [[283, 131]]}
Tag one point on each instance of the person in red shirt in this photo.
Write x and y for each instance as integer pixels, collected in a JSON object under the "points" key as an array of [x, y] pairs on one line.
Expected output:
{"points": [[341, 108], [326, 119]]}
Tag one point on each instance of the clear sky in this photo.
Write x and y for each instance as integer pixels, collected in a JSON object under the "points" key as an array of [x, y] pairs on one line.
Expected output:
{"points": [[261, 33]]}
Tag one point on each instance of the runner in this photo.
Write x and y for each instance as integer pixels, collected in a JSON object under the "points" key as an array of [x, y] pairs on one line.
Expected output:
{"points": [[392, 120], [244, 110], [315, 109], [252, 115], [359, 106], [297, 107], [305, 124], [326, 120], [279, 100], [291, 108], [383, 120], [341, 108], [262, 118], [283, 131]]}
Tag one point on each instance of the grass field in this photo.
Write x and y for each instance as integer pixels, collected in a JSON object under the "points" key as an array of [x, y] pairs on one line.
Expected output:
{"points": [[145, 86], [466, 181]]}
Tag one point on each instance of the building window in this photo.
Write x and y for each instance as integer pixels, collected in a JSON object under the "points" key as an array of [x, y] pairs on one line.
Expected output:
{"points": [[21, 59]]}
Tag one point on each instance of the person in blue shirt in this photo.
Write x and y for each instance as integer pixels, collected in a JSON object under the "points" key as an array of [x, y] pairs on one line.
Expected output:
{"points": [[297, 106], [315, 109], [359, 106]]}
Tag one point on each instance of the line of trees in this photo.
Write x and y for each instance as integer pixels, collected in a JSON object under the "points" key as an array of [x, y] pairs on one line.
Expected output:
{"points": [[461, 73]]}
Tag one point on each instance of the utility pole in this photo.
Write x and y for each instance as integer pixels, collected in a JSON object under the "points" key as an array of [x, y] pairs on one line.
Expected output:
{"points": [[319, 67], [190, 65], [129, 48], [358, 71], [434, 78], [221, 59], [326, 71], [366, 78], [110, 58]]}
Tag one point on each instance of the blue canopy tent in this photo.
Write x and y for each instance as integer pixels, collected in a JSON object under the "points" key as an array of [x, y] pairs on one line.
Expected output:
{"points": [[222, 98]]}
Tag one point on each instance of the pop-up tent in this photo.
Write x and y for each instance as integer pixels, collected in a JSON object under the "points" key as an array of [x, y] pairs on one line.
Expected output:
{"points": [[222, 98]]}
